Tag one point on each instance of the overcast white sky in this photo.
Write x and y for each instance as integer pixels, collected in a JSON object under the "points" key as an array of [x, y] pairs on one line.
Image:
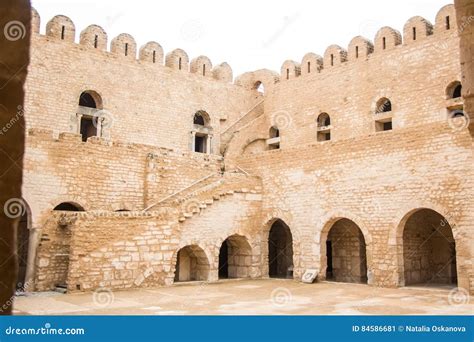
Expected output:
{"points": [[248, 34]]}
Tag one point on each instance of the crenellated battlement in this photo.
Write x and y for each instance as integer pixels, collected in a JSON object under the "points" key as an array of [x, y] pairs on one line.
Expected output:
{"points": [[416, 29], [94, 37], [360, 48]]}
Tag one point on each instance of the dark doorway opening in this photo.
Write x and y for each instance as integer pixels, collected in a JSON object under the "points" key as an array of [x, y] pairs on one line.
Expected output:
{"points": [[329, 275], [429, 250], [280, 251], [223, 261], [23, 239], [200, 144], [346, 253]]}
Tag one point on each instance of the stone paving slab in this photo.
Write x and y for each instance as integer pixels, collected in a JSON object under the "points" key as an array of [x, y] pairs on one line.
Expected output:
{"points": [[249, 297]]}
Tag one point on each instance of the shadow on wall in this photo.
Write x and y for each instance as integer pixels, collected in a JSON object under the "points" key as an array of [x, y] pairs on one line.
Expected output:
{"points": [[14, 58]]}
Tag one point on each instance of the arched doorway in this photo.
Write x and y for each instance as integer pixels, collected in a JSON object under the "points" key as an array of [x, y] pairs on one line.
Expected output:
{"points": [[23, 243], [61, 242], [346, 253], [235, 258], [280, 251], [191, 264], [429, 250]]}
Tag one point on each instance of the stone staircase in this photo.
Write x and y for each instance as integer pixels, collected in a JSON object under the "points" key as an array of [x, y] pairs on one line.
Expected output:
{"points": [[194, 202], [254, 113]]}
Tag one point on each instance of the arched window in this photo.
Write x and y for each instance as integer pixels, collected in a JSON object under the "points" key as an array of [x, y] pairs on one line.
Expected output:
{"points": [[68, 206], [201, 133], [454, 90], [90, 103], [324, 120], [274, 138], [199, 119], [324, 127], [384, 105], [274, 132], [383, 118]]}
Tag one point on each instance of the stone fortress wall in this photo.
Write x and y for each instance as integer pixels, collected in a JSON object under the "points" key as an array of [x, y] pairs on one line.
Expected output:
{"points": [[298, 163]]}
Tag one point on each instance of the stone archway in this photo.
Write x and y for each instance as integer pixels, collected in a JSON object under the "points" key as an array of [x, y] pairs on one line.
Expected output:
{"points": [[192, 264], [235, 258], [429, 250], [280, 251], [346, 253]]}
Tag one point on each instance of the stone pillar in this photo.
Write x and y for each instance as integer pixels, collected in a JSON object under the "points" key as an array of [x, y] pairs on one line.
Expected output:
{"points": [[209, 144], [14, 59], [465, 21], [78, 123], [193, 141]]}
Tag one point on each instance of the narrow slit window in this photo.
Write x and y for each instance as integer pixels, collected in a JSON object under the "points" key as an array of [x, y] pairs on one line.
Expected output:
{"points": [[287, 74], [204, 70], [448, 23], [357, 52], [154, 56], [126, 49], [332, 60], [309, 67], [414, 33], [96, 41], [179, 63], [63, 31], [384, 43]]}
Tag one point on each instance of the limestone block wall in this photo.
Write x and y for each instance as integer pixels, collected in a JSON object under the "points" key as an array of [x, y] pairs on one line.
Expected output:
{"points": [[122, 250], [238, 214], [168, 172], [54, 248], [412, 74], [376, 182], [104, 175], [94, 250], [147, 102]]}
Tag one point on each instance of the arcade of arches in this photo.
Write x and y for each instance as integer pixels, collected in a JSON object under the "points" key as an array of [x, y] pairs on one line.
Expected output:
{"points": [[426, 238]]}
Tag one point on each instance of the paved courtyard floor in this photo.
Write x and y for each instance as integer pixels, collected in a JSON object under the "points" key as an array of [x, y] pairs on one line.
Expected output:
{"points": [[249, 297]]}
